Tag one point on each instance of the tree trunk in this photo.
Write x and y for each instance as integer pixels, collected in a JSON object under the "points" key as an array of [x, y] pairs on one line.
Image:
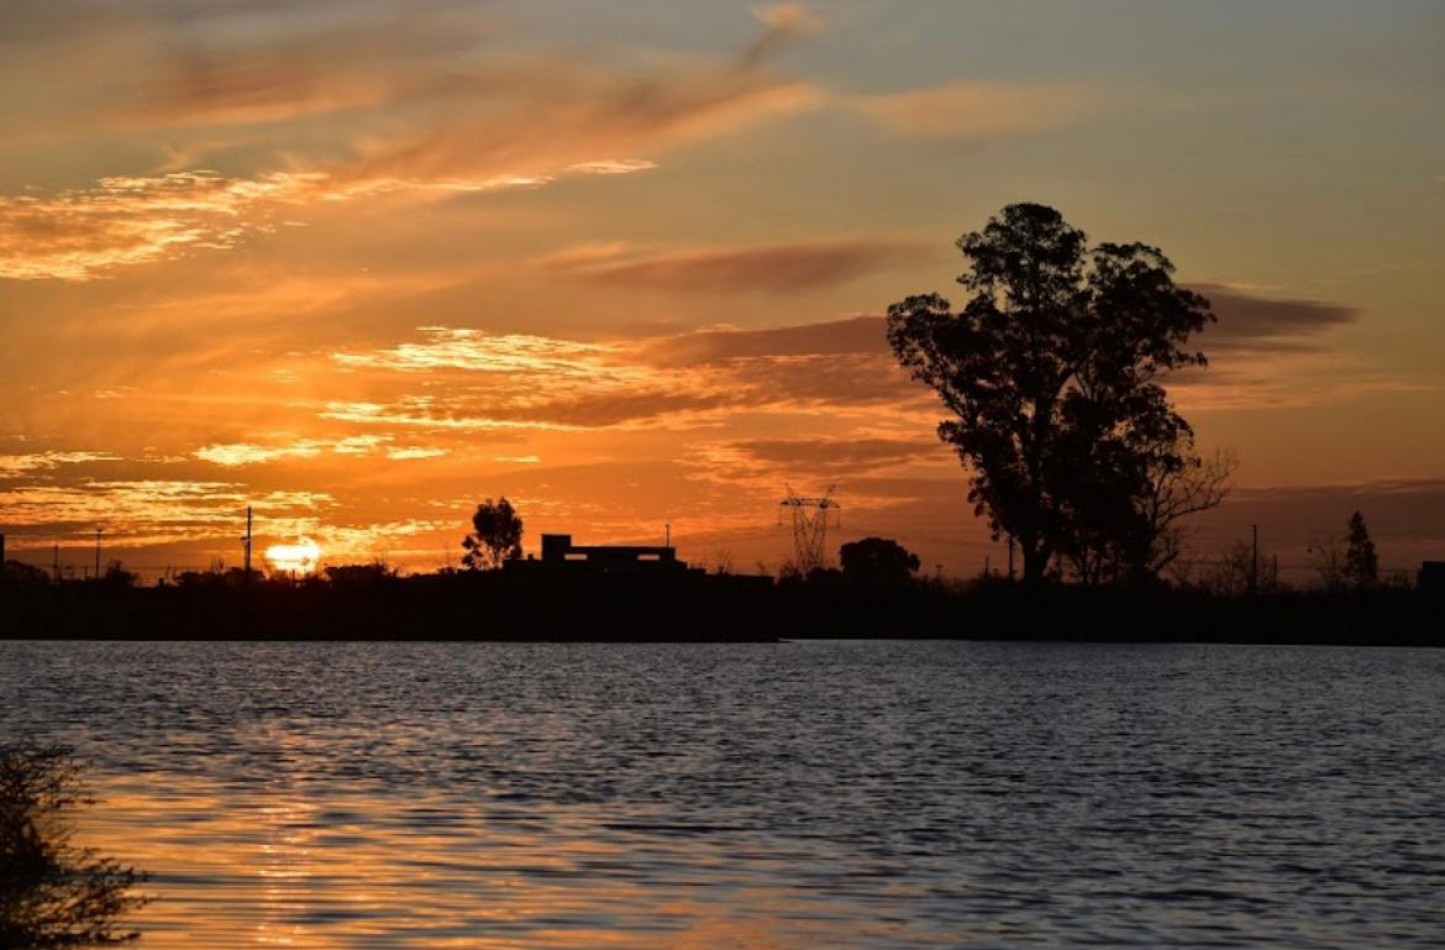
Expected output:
{"points": [[1036, 562]]}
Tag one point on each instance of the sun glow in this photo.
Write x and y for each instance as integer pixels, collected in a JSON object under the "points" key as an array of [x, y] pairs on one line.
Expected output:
{"points": [[299, 558]]}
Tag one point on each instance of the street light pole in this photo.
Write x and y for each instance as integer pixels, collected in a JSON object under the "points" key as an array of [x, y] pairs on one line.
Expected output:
{"points": [[97, 552]]}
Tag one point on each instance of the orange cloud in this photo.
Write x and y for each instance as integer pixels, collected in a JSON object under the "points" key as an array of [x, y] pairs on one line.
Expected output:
{"points": [[76, 235], [16, 465], [354, 108], [552, 116], [972, 110], [776, 268]]}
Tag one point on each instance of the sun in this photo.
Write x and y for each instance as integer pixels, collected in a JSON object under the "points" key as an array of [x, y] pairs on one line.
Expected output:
{"points": [[298, 558]]}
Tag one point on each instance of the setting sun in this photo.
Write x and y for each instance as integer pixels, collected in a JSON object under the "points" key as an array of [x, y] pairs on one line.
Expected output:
{"points": [[299, 558]]}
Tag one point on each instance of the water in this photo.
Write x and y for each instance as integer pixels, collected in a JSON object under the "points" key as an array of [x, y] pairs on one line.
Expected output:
{"points": [[803, 794]]}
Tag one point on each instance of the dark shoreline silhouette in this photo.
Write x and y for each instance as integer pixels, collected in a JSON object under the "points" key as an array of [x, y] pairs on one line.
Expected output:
{"points": [[692, 607]]}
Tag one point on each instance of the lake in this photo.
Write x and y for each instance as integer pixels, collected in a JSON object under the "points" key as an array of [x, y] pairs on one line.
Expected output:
{"points": [[820, 793]]}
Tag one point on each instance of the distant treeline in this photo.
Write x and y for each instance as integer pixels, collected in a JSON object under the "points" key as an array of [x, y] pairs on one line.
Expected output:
{"points": [[374, 602]]}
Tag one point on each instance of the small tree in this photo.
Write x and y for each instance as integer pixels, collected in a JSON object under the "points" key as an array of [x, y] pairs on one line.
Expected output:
{"points": [[117, 576], [1362, 565], [878, 561], [1328, 558], [496, 536], [1237, 573], [53, 894]]}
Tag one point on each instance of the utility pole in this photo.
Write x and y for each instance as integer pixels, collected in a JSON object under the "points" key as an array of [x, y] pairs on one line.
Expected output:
{"points": [[56, 567], [669, 534], [1254, 562], [246, 542], [97, 552]]}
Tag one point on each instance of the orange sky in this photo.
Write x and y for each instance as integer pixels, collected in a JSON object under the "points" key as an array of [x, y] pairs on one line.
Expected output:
{"points": [[361, 265]]}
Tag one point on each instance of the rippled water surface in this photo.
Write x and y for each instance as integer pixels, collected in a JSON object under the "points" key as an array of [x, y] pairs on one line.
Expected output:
{"points": [[802, 794]]}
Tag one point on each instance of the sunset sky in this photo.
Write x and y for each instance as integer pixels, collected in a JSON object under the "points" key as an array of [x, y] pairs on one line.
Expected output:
{"points": [[362, 264]]}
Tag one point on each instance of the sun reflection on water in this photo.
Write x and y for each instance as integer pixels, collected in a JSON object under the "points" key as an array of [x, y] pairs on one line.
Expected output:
{"points": [[272, 864]]}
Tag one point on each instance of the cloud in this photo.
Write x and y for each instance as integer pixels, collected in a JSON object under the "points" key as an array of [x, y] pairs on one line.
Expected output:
{"points": [[773, 269], [341, 103], [831, 456], [980, 110], [783, 25], [475, 351], [862, 336], [405, 453], [1272, 352], [458, 379], [78, 234], [1249, 322], [82, 234], [12, 466], [246, 453], [547, 116], [142, 510]]}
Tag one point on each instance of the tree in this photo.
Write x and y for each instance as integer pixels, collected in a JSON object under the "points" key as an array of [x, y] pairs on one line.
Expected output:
{"points": [[1328, 558], [1362, 565], [877, 561], [1145, 538], [53, 894], [19, 575], [496, 536], [117, 576], [1237, 573], [1051, 370], [376, 574]]}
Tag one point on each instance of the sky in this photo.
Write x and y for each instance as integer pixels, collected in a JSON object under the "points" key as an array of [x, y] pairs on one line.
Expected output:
{"points": [[362, 265]]}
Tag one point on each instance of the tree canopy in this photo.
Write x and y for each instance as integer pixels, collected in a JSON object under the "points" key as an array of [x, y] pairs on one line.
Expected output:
{"points": [[877, 561], [1052, 372], [496, 536]]}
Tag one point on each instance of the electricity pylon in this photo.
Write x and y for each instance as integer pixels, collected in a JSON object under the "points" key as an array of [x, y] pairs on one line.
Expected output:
{"points": [[810, 528]]}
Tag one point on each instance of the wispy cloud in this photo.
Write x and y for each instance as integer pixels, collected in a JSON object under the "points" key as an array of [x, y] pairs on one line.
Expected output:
{"points": [[784, 25], [231, 455], [771, 269], [466, 380], [78, 234], [336, 108], [14, 465], [139, 511], [972, 110]]}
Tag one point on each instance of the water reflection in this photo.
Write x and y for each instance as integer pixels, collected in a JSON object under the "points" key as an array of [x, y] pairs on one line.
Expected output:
{"points": [[426, 795], [269, 865]]}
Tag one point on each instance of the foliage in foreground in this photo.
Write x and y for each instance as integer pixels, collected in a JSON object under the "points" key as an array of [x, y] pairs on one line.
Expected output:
{"points": [[52, 893]]}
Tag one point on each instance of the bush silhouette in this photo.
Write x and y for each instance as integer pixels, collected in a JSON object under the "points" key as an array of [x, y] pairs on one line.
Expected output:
{"points": [[52, 893]]}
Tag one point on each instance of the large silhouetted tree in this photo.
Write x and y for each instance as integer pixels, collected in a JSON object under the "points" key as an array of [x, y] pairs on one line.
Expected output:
{"points": [[1051, 370], [496, 536]]}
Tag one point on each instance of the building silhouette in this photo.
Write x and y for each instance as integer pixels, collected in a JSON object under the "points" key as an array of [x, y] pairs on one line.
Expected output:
{"points": [[560, 554]]}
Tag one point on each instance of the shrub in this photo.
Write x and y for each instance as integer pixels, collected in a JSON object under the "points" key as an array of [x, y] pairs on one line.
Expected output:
{"points": [[52, 893]]}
